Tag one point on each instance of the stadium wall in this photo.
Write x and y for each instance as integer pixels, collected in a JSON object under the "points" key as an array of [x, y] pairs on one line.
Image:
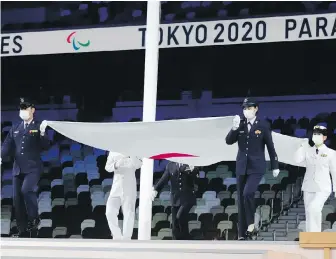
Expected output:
{"points": [[206, 106], [45, 113]]}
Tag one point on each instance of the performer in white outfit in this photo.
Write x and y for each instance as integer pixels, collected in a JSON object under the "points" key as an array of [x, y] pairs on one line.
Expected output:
{"points": [[123, 193], [320, 162]]}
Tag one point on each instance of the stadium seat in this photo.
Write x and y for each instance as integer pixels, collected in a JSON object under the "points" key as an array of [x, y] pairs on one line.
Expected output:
{"points": [[165, 232]]}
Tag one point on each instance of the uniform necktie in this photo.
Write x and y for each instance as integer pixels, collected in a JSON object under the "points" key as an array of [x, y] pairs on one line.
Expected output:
{"points": [[26, 125], [249, 126], [317, 151]]}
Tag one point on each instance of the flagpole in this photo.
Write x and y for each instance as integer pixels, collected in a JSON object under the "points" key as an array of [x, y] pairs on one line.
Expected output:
{"points": [[149, 113]]}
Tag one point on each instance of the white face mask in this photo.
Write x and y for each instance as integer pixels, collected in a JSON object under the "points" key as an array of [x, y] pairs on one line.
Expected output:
{"points": [[24, 115], [249, 114], [318, 139]]}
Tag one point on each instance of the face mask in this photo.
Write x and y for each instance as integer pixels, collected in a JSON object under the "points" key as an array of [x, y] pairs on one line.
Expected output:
{"points": [[318, 139], [249, 114], [24, 115]]}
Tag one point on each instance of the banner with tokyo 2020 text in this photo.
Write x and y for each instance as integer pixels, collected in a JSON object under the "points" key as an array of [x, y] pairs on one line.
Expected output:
{"points": [[189, 34]]}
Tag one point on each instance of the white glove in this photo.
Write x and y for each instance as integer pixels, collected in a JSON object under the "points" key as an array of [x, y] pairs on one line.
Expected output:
{"points": [[43, 127], [191, 167], [136, 162], [236, 122], [124, 162], [154, 193], [119, 163], [276, 172], [0, 161]]}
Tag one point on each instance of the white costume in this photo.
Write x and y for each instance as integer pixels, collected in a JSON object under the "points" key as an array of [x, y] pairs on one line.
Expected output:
{"points": [[123, 193], [320, 163]]}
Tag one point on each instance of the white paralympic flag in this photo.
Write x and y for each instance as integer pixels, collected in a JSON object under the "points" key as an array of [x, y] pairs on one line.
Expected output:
{"points": [[197, 142]]}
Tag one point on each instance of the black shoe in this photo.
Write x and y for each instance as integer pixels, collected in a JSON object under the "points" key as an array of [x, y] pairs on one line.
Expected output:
{"points": [[252, 235], [33, 224], [23, 234]]}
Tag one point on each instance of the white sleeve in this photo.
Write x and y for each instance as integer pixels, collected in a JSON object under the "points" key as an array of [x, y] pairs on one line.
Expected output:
{"points": [[112, 158], [333, 169], [300, 155]]}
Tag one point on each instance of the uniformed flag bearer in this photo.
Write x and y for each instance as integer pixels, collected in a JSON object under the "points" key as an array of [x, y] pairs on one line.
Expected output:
{"points": [[25, 142], [320, 162], [252, 135], [182, 195], [123, 194]]}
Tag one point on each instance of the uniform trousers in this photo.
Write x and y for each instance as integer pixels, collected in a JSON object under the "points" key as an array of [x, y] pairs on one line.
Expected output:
{"points": [[314, 202], [247, 185], [25, 198], [127, 203], [180, 225]]}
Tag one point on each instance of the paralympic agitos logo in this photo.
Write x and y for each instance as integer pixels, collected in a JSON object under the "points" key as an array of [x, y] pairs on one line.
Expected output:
{"points": [[71, 39]]}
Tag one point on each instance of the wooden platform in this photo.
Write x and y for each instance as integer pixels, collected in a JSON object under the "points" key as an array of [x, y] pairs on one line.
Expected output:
{"points": [[99, 249]]}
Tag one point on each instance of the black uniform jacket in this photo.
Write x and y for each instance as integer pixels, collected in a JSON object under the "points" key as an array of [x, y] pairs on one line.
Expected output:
{"points": [[251, 147], [25, 145], [182, 187]]}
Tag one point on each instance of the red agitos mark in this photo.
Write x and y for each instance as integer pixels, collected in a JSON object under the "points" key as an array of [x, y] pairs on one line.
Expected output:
{"points": [[69, 37], [171, 155]]}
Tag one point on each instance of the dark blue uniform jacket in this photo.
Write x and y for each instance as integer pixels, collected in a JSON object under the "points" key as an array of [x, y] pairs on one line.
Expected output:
{"points": [[25, 145], [251, 145]]}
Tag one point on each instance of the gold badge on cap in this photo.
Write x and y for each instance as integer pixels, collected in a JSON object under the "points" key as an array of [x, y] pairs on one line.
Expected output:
{"points": [[22, 100]]}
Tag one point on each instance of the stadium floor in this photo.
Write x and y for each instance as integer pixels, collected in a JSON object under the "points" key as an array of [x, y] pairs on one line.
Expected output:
{"points": [[100, 248]]}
